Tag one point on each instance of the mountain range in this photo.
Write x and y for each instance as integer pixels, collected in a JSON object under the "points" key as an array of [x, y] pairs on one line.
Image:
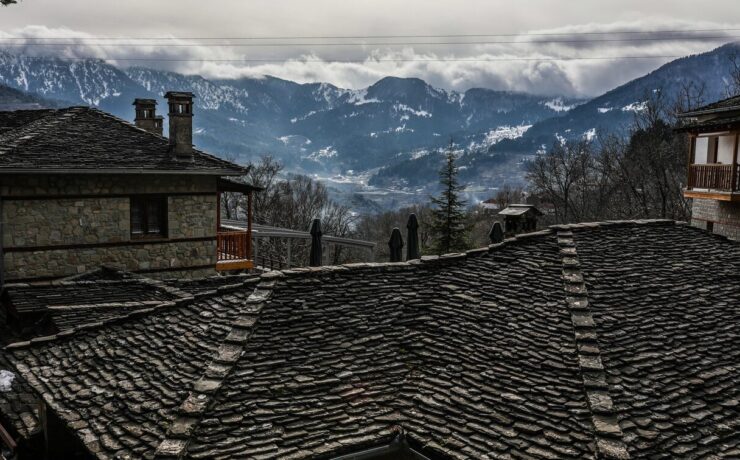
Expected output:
{"points": [[387, 135]]}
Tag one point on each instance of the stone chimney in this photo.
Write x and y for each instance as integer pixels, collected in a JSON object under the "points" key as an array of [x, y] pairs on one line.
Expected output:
{"points": [[181, 123], [146, 116]]}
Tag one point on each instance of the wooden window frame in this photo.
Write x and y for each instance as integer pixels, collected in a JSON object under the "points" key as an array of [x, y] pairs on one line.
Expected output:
{"points": [[145, 201], [713, 150]]}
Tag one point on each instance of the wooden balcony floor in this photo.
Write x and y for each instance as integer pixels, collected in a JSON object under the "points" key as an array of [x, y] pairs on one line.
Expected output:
{"points": [[234, 264], [718, 195]]}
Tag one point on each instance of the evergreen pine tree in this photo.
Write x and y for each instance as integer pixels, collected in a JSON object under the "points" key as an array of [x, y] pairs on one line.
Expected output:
{"points": [[448, 218]]}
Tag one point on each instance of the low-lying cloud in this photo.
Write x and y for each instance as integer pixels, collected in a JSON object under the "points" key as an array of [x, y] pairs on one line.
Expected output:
{"points": [[578, 60]]}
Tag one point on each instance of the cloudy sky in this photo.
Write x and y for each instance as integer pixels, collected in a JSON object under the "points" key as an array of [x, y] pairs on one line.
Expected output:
{"points": [[573, 47]]}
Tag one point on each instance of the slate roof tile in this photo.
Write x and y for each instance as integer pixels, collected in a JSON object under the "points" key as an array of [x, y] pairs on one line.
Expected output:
{"points": [[87, 139], [623, 345], [667, 310]]}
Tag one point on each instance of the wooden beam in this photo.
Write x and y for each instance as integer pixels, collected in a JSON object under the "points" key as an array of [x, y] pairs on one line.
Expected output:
{"points": [[712, 195], [227, 265], [7, 439]]}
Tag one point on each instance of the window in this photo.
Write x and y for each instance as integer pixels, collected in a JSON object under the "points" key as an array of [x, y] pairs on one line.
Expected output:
{"points": [[149, 216], [713, 149]]}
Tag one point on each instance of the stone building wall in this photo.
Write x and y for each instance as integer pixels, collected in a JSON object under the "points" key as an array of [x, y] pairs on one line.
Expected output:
{"points": [[56, 226], [722, 217], [65, 221]]}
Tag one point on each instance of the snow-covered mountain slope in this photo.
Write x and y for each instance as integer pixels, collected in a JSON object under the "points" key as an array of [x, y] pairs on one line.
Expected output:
{"points": [[243, 118], [615, 110], [501, 154]]}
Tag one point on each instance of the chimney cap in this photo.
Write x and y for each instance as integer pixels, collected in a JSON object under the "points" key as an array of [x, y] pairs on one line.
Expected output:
{"points": [[178, 94], [141, 101]]}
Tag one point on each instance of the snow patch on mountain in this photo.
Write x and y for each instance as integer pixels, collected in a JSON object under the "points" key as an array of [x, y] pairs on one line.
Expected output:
{"points": [[409, 110], [605, 109], [415, 155], [635, 107], [558, 105], [496, 135], [324, 153], [294, 139], [590, 135], [359, 97], [297, 119]]}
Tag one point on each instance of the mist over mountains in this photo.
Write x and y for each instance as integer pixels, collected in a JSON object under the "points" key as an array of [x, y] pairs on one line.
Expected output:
{"points": [[387, 135]]}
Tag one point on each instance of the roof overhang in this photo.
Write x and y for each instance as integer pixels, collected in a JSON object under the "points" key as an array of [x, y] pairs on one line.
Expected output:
{"points": [[190, 172], [710, 127], [226, 185], [697, 113]]}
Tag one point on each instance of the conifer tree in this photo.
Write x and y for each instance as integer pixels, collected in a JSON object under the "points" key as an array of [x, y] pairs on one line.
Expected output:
{"points": [[448, 218]]}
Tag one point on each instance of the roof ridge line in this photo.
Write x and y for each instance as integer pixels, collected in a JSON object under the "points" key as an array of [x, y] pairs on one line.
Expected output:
{"points": [[428, 260], [475, 252], [204, 390], [607, 432], [162, 137], [613, 223]]}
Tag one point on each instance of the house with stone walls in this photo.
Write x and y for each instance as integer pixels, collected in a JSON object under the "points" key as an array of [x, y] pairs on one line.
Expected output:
{"points": [[80, 189], [713, 170]]}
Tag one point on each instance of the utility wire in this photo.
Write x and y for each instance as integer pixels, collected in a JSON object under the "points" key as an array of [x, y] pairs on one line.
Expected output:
{"points": [[359, 37], [261, 45], [362, 61]]}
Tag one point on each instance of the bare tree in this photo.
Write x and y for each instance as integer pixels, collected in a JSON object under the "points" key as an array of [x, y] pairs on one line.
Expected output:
{"points": [[640, 177], [507, 195], [733, 87], [560, 175]]}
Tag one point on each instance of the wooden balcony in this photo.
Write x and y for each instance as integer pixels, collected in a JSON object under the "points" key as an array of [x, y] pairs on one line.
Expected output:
{"points": [[714, 181], [234, 249]]}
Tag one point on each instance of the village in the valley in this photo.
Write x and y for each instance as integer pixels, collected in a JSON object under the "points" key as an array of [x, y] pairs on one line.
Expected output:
{"points": [[301, 233]]}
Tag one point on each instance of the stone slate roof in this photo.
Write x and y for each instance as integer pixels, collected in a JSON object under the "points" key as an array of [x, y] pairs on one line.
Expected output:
{"points": [[69, 304], [724, 105], [88, 301], [613, 340], [86, 139], [666, 304]]}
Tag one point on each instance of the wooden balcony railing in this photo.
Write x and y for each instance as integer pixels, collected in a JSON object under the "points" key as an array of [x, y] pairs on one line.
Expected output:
{"points": [[718, 177], [233, 246]]}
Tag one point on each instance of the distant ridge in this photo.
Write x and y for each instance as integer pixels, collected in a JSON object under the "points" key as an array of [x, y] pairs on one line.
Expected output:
{"points": [[388, 134]]}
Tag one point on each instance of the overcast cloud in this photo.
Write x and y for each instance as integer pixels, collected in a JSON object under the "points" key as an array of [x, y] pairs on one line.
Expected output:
{"points": [[83, 29]]}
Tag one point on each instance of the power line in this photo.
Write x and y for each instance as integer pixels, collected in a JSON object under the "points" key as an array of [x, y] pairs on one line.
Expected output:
{"points": [[261, 45], [362, 61], [358, 37]]}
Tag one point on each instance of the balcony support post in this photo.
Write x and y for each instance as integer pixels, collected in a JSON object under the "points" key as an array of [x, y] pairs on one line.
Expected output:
{"points": [[691, 157], [249, 225], [733, 183]]}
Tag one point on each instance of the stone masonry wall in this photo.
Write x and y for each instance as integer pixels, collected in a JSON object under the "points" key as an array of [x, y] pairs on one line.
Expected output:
{"points": [[724, 215], [65, 221], [66, 262], [84, 219]]}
